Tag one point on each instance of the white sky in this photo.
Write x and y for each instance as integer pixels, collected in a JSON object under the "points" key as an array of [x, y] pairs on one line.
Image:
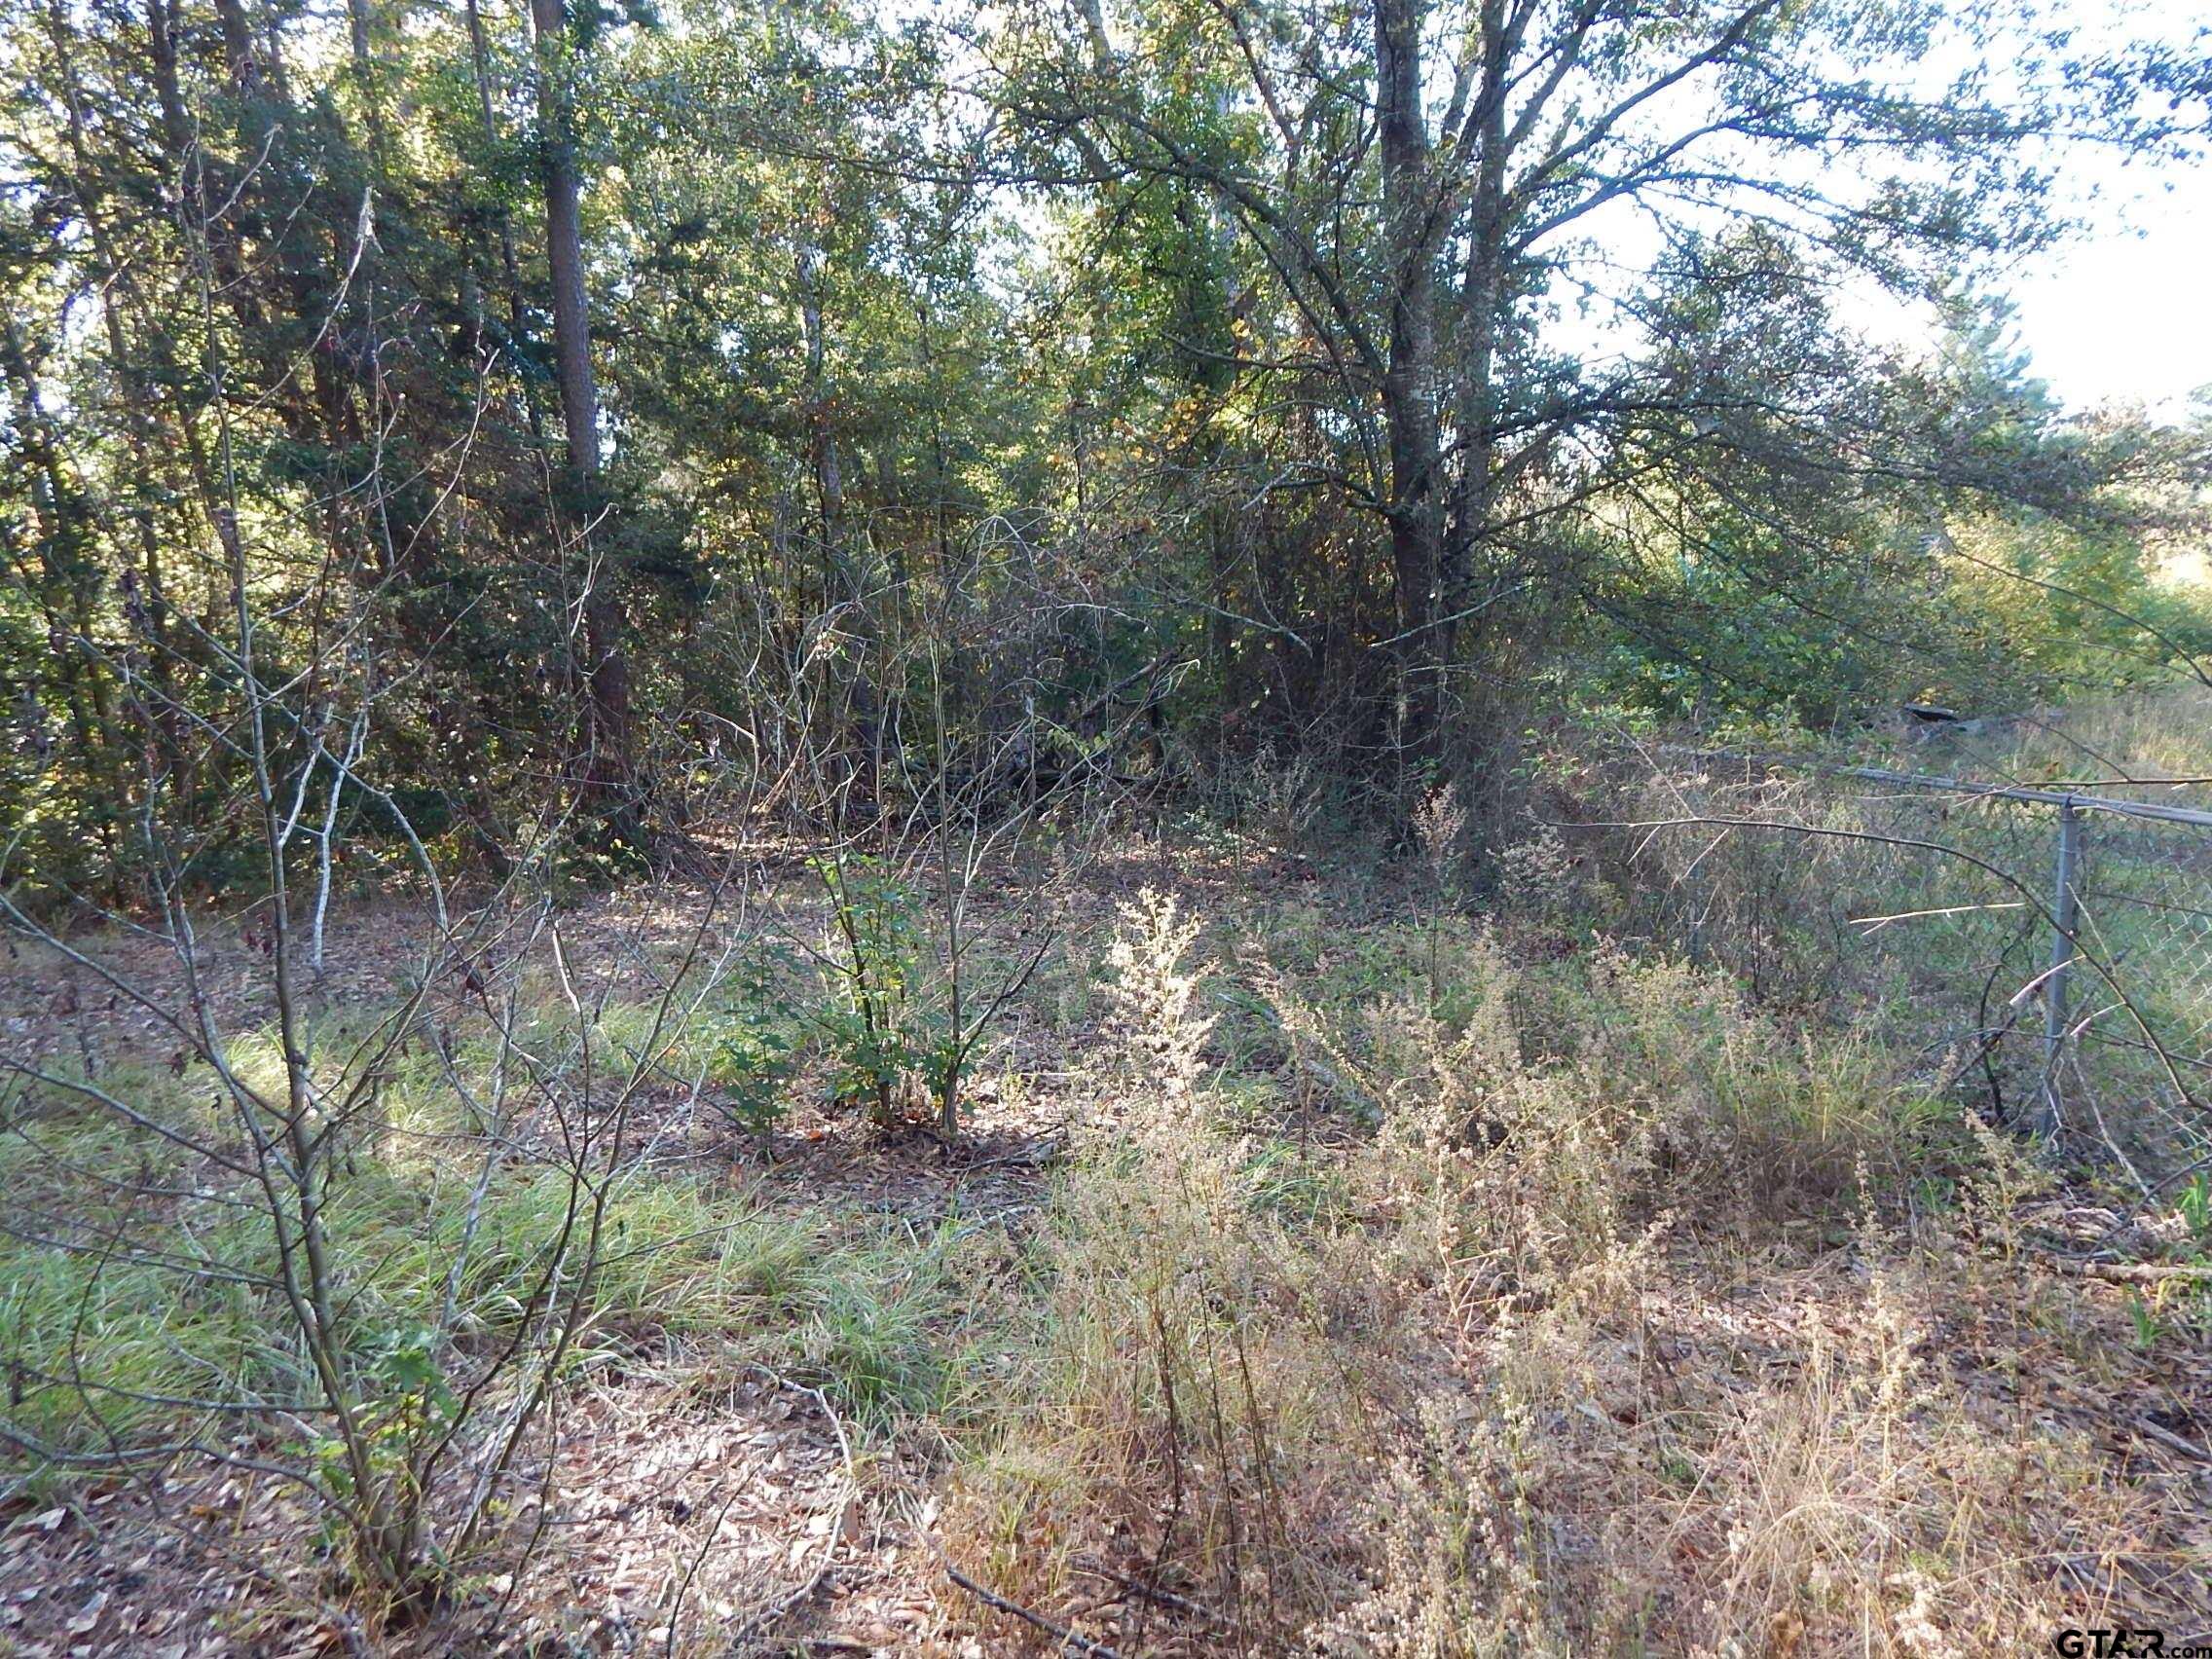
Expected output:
{"points": [[2120, 313], [2126, 313]]}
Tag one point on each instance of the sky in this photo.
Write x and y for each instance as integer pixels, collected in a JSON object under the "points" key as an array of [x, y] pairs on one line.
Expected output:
{"points": [[2126, 314], [2119, 312]]}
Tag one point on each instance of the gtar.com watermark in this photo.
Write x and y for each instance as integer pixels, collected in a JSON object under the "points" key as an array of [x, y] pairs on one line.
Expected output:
{"points": [[2120, 1643]]}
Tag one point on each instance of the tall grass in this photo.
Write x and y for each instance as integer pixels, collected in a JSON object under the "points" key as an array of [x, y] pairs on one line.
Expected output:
{"points": [[1928, 916], [1421, 1287], [1471, 1349]]}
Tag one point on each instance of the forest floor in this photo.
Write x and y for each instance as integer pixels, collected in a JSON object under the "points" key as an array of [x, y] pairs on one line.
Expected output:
{"points": [[1316, 1271]]}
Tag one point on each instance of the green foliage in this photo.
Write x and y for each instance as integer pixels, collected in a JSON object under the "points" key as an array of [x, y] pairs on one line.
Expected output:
{"points": [[752, 1060], [1102, 465], [2196, 1206], [2069, 610], [873, 1334], [117, 1330], [1815, 603], [109, 1332], [753, 1065], [886, 1032]]}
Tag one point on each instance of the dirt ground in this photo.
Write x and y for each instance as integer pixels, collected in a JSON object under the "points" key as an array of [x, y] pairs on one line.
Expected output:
{"points": [[745, 1504], [685, 1500]]}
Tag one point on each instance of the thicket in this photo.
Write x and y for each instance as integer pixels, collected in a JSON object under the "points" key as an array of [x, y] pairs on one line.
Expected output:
{"points": [[1022, 400], [469, 458]]}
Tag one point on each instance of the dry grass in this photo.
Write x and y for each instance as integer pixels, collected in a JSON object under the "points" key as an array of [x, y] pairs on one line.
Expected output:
{"points": [[1409, 1288], [1923, 916], [1570, 1311]]}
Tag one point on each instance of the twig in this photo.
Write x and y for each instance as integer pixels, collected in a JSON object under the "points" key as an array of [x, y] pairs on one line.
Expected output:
{"points": [[1151, 1592], [1038, 1154], [2129, 1273], [691, 1572], [2167, 1437], [992, 1598], [781, 1604]]}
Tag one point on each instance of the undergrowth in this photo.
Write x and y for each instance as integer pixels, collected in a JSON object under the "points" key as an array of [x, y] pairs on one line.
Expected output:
{"points": [[1424, 1287], [1567, 1309], [128, 1320]]}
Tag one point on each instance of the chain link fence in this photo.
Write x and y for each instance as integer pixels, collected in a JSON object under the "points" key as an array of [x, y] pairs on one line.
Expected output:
{"points": [[2046, 950]]}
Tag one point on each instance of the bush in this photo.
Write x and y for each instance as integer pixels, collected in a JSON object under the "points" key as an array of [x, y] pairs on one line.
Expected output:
{"points": [[1382, 1383]]}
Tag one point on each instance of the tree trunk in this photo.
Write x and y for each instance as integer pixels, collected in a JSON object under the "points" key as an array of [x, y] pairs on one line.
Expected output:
{"points": [[66, 587], [149, 612], [359, 39], [480, 59], [1482, 300], [240, 58], [607, 778], [822, 437], [1414, 507], [859, 722], [564, 238]]}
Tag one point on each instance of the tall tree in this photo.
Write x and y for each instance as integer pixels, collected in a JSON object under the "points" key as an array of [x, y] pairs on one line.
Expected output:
{"points": [[1466, 211], [607, 738]]}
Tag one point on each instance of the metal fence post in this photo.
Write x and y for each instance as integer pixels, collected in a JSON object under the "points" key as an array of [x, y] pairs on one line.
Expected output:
{"points": [[2062, 912], [2167, 947]]}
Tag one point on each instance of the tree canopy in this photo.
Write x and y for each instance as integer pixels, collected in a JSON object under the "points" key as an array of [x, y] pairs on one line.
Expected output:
{"points": [[571, 400]]}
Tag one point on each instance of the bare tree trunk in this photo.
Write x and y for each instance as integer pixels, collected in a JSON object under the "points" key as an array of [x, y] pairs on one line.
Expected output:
{"points": [[609, 780], [845, 582], [179, 148], [1414, 508], [66, 583], [358, 22], [564, 238], [240, 57], [480, 59], [142, 420], [1484, 299], [822, 439]]}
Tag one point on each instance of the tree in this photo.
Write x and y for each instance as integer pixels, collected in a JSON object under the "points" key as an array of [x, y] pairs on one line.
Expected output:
{"points": [[609, 742], [1273, 376], [1440, 196]]}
